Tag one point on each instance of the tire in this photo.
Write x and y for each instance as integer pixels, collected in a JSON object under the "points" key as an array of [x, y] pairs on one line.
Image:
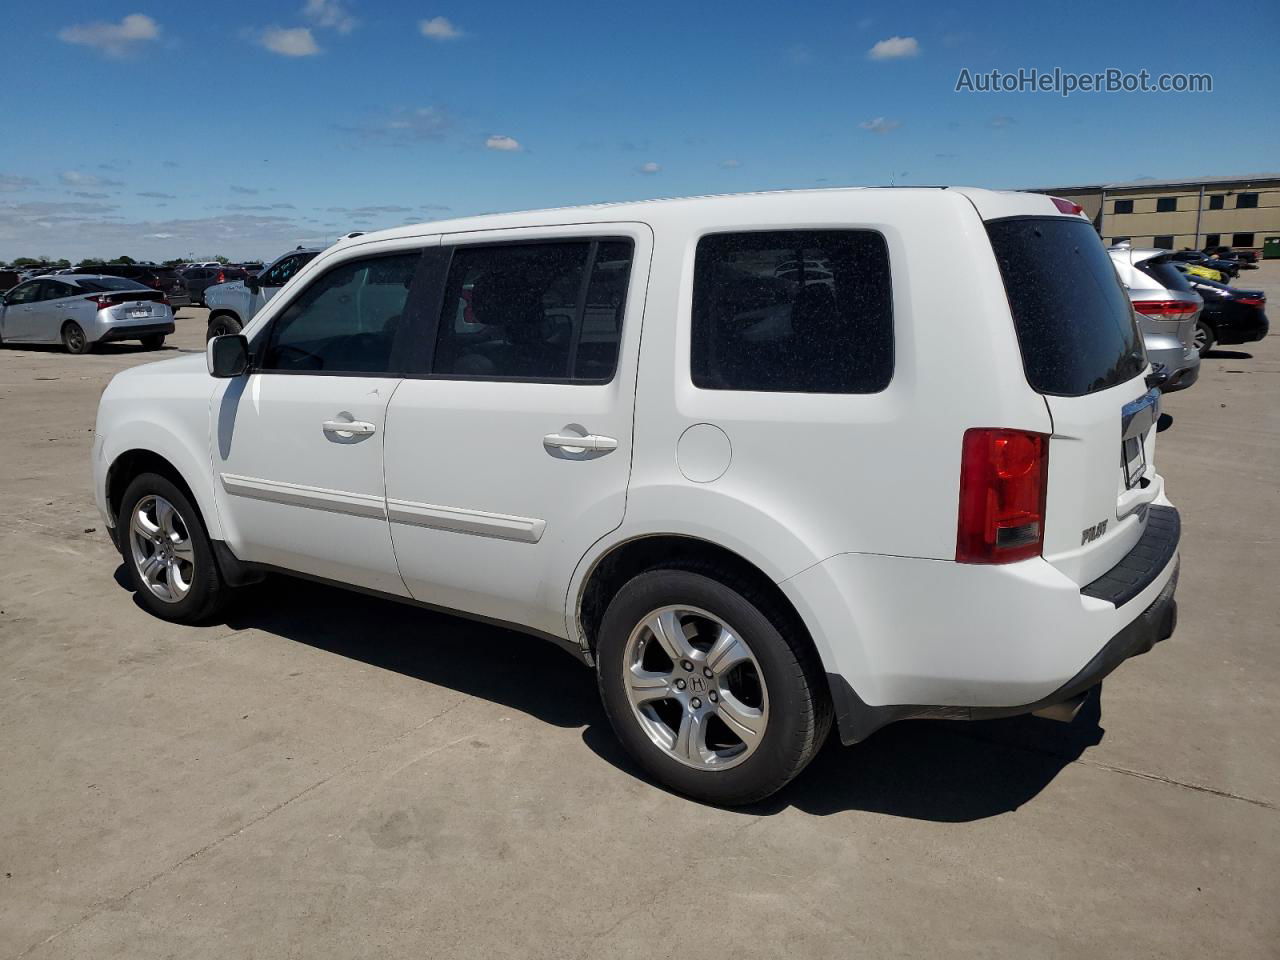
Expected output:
{"points": [[1205, 338], [74, 339], [205, 592], [780, 687], [222, 325], [153, 342]]}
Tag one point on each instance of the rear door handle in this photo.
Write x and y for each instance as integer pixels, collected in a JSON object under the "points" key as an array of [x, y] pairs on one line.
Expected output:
{"points": [[590, 443], [349, 428]]}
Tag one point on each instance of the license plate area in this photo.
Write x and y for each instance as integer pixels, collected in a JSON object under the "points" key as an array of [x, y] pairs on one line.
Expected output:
{"points": [[135, 312], [1133, 453], [1136, 420]]}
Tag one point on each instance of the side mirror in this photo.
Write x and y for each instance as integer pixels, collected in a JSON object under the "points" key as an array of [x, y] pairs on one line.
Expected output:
{"points": [[227, 356]]}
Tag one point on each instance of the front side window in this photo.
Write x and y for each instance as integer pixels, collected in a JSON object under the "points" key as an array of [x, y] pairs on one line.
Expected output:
{"points": [[534, 311], [792, 311], [24, 293], [280, 274], [345, 321], [1124, 206]]}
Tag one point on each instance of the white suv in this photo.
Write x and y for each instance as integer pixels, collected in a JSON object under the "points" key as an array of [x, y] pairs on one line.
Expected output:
{"points": [[917, 484]]}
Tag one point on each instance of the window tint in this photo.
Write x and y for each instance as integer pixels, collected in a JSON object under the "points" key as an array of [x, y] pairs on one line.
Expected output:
{"points": [[1246, 201], [792, 311], [1164, 241], [1166, 204], [1215, 201], [1163, 272], [1242, 239], [345, 320], [1124, 206], [1074, 323], [56, 290], [538, 311], [96, 284]]}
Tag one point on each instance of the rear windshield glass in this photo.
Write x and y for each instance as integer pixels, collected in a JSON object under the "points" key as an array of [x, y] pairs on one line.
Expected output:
{"points": [[1163, 272], [98, 284], [1074, 323]]}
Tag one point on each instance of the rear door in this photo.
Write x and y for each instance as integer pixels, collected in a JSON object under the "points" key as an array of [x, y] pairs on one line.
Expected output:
{"points": [[508, 452], [1082, 352]]}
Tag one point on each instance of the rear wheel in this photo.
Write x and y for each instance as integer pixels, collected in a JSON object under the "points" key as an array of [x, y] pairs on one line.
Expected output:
{"points": [[73, 338], [1204, 338], [153, 342], [167, 551], [704, 690], [221, 326]]}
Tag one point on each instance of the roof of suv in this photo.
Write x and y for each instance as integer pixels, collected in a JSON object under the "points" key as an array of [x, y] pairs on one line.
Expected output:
{"points": [[989, 203]]}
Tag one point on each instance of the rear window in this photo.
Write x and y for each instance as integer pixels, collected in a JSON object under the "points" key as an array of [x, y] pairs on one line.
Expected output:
{"points": [[792, 311], [1074, 323], [1163, 272], [101, 284]]}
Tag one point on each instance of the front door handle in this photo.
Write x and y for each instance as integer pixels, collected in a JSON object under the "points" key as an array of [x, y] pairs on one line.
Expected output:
{"points": [[588, 444], [349, 428]]}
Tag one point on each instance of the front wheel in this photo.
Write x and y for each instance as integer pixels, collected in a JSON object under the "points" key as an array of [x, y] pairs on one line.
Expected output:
{"points": [[705, 691], [167, 552], [221, 326], [73, 338], [1204, 338]]}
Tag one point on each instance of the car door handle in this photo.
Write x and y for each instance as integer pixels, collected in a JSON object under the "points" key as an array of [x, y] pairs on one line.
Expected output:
{"points": [[349, 428], [589, 443]]}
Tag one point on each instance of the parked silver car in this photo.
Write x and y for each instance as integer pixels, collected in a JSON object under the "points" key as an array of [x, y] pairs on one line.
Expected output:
{"points": [[1167, 310], [232, 305], [82, 310]]}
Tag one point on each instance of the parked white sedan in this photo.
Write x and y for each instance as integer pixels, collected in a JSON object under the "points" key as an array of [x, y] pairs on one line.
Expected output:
{"points": [[82, 310]]}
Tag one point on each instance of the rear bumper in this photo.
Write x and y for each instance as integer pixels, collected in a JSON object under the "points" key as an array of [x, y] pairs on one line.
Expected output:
{"points": [[135, 331], [905, 638]]}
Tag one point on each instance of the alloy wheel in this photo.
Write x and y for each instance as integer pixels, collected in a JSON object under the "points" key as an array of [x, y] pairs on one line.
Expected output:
{"points": [[160, 541], [695, 687]]}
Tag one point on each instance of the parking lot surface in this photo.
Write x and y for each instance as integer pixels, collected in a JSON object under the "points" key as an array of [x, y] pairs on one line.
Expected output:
{"points": [[330, 775]]}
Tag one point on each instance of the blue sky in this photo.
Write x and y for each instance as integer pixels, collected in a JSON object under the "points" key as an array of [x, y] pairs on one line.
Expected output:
{"points": [[162, 129]]}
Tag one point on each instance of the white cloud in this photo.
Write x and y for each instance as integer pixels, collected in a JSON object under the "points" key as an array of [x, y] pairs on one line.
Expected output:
{"points": [[74, 178], [439, 28], [880, 125], [730, 164], [331, 14], [499, 142], [289, 42], [160, 236], [650, 167], [113, 39], [894, 48], [12, 184]]}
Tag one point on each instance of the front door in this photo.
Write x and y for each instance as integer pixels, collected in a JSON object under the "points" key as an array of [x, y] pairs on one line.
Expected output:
{"points": [[298, 442], [22, 312], [509, 450]]}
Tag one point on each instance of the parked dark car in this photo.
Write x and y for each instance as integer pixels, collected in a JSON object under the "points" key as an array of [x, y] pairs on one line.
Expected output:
{"points": [[164, 279], [1229, 268], [1229, 315], [8, 278], [1246, 258], [198, 279]]}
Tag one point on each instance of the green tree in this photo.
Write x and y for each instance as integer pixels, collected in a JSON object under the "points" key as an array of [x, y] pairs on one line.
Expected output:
{"points": [[221, 259], [25, 261], [124, 260]]}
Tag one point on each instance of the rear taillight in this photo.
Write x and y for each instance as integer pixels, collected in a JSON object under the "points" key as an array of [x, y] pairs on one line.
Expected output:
{"points": [[1252, 301], [222, 277], [1166, 309], [1066, 206], [102, 303], [1003, 479]]}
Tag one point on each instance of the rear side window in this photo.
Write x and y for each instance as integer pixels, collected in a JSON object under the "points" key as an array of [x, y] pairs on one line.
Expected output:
{"points": [[534, 311], [1074, 323], [345, 321], [792, 311], [1163, 272]]}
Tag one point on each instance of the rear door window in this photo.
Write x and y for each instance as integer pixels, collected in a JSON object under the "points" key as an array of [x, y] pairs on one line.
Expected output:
{"points": [[792, 311], [1074, 324]]}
